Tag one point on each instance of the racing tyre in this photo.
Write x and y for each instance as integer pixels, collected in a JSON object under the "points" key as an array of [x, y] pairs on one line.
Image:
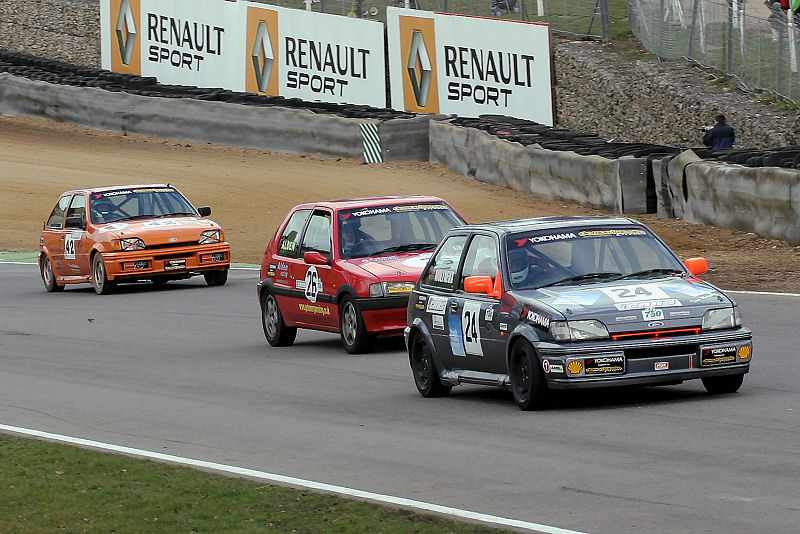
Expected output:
{"points": [[426, 377], [102, 285], [351, 327], [216, 278], [275, 329], [717, 385], [48, 277], [528, 385]]}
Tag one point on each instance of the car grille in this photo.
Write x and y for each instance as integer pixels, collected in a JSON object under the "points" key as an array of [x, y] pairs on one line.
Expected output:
{"points": [[656, 334], [173, 245], [661, 351]]}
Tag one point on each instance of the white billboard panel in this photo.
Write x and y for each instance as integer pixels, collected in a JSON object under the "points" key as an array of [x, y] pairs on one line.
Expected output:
{"points": [[469, 66], [246, 46]]}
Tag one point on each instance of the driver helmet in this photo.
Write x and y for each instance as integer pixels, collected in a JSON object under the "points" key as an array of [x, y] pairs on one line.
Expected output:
{"points": [[518, 265], [102, 207]]}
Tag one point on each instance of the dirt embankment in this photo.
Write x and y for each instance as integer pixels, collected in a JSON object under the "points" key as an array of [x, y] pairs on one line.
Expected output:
{"points": [[250, 191]]}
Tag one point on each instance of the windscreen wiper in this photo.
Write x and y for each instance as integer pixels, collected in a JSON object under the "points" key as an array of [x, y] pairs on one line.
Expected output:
{"points": [[650, 272], [410, 247], [584, 278]]}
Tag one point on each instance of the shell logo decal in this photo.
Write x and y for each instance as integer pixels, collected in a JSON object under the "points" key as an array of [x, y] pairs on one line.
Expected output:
{"points": [[744, 352], [574, 367]]}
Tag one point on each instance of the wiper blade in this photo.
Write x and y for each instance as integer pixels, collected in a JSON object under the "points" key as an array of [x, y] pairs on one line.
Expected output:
{"points": [[583, 278], [144, 216], [649, 272], [177, 213], [410, 247]]}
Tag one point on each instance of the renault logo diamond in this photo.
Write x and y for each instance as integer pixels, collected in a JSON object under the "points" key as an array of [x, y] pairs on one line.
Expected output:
{"points": [[419, 68], [126, 31], [262, 56]]}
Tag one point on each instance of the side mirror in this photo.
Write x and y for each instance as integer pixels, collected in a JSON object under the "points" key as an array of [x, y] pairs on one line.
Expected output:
{"points": [[478, 284], [696, 265], [74, 222], [315, 258], [204, 211]]}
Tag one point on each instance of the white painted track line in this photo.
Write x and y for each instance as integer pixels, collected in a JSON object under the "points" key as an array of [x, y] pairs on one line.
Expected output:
{"points": [[291, 481]]}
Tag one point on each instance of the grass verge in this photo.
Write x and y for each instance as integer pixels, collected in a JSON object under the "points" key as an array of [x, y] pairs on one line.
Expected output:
{"points": [[49, 487]]}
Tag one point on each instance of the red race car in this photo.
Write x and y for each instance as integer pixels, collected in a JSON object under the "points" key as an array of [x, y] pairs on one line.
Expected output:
{"points": [[349, 266]]}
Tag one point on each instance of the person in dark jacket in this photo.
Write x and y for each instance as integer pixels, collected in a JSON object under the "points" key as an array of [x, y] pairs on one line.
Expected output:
{"points": [[721, 135]]}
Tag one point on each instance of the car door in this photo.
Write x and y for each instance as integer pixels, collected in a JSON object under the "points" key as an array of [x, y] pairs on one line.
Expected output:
{"points": [[314, 280], [77, 242], [438, 284], [54, 234], [477, 314], [283, 263]]}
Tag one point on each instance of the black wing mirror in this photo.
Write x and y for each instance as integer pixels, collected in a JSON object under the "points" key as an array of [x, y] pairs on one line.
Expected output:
{"points": [[204, 211]]}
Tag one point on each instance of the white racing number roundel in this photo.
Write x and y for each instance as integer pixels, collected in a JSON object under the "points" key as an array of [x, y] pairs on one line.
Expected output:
{"points": [[69, 246], [313, 284]]}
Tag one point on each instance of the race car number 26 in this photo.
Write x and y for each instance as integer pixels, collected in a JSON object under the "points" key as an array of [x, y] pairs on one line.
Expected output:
{"points": [[313, 284]]}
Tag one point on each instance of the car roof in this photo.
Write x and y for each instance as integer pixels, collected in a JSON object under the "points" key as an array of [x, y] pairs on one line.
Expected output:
{"points": [[351, 203], [565, 222], [114, 188]]}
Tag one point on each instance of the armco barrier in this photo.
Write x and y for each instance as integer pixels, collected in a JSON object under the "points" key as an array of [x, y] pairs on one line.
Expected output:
{"points": [[265, 127], [592, 181]]}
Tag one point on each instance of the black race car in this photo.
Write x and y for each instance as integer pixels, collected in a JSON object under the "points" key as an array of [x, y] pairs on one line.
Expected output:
{"points": [[569, 302]]}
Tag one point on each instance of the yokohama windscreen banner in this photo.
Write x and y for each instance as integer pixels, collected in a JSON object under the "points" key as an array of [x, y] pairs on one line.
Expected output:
{"points": [[246, 46], [469, 66]]}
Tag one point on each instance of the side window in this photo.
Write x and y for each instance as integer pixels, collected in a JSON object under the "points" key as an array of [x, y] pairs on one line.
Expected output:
{"points": [[442, 268], [77, 207], [481, 258], [289, 244], [318, 234], [56, 219]]}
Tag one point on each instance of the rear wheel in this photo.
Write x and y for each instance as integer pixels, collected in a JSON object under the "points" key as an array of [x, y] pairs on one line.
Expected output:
{"points": [[351, 327], [216, 278], [723, 384], [48, 277], [275, 329], [426, 377], [527, 381], [102, 285]]}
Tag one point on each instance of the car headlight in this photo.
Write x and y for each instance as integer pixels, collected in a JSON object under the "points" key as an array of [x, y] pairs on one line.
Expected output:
{"points": [[722, 318], [210, 236], [578, 330], [131, 243], [388, 289]]}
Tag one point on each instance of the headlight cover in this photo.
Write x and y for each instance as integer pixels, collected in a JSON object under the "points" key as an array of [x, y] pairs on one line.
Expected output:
{"points": [[722, 318], [131, 243], [389, 289], [578, 330], [210, 236]]}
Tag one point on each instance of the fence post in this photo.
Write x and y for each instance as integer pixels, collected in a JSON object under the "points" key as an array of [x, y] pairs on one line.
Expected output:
{"points": [[605, 21]]}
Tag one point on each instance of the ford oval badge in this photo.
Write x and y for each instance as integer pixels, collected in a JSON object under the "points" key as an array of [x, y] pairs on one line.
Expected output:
{"points": [[655, 324]]}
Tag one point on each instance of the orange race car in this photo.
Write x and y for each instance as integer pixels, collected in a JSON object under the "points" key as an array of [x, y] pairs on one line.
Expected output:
{"points": [[130, 233]]}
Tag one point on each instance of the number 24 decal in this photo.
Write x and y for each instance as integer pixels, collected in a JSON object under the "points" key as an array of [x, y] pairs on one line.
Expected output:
{"points": [[471, 329], [631, 292]]}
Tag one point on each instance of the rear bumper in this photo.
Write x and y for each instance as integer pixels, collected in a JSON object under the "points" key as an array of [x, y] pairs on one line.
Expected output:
{"points": [[178, 262]]}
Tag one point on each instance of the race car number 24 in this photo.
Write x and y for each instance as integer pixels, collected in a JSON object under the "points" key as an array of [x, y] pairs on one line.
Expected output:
{"points": [[470, 328]]}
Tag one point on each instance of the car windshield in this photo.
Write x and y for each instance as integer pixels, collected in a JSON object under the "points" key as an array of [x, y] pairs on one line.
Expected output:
{"points": [[138, 203], [394, 229], [586, 255]]}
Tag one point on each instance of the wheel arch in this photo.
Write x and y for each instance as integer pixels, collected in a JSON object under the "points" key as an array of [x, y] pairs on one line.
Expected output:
{"points": [[523, 332], [419, 328]]}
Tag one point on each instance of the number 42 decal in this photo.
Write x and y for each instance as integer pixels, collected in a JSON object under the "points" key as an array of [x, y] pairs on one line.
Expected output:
{"points": [[471, 329]]}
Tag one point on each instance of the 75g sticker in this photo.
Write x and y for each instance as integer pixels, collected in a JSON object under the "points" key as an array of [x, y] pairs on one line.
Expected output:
{"points": [[653, 314]]}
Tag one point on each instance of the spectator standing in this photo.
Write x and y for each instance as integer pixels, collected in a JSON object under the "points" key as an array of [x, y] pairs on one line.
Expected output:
{"points": [[720, 135]]}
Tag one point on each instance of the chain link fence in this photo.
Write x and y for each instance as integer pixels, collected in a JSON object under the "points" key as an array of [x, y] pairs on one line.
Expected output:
{"points": [[584, 18], [755, 41]]}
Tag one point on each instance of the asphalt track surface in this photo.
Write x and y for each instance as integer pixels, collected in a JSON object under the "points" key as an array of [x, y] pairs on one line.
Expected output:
{"points": [[184, 370]]}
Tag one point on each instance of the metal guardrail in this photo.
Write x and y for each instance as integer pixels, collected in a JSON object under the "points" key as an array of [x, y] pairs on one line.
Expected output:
{"points": [[754, 41]]}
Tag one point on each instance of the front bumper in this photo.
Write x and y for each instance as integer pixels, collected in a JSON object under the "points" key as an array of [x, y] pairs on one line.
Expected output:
{"points": [[654, 361], [387, 315], [178, 262]]}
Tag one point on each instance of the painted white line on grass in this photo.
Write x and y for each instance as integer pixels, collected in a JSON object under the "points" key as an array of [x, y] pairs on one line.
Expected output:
{"points": [[299, 482]]}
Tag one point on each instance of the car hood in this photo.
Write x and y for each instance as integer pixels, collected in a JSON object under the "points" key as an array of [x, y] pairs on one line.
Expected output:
{"points": [[406, 266], [163, 230], [621, 305]]}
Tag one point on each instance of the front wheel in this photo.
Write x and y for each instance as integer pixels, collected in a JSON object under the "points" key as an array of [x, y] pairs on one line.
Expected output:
{"points": [[351, 327], [426, 377], [102, 285], [275, 329], [723, 384], [48, 276], [216, 278], [527, 381]]}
